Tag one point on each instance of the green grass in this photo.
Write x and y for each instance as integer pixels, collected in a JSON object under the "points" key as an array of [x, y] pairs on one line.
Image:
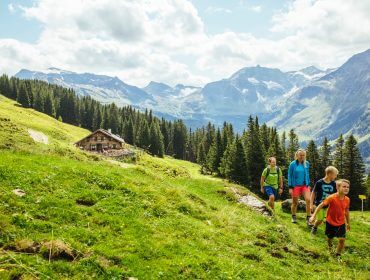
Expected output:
{"points": [[158, 219]]}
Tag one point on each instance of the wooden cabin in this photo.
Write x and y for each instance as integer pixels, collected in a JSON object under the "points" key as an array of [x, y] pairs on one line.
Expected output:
{"points": [[101, 140]]}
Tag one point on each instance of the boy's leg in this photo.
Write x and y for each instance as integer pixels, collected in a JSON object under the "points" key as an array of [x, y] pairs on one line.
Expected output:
{"points": [[317, 223], [340, 245], [307, 198], [330, 244], [315, 226], [320, 217], [341, 234]]}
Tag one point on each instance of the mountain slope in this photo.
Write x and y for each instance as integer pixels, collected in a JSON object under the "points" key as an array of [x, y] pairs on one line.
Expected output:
{"points": [[314, 102], [337, 103], [102, 88], [158, 218]]}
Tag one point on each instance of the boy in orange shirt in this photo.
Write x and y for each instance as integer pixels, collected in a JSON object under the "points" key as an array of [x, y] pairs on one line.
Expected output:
{"points": [[337, 216]]}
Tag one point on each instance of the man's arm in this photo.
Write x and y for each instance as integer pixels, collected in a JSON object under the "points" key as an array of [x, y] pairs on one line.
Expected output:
{"points": [[280, 182], [262, 184]]}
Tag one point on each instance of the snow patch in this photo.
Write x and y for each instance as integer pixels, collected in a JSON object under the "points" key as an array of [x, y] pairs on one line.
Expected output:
{"points": [[187, 91], [273, 85], [253, 81]]}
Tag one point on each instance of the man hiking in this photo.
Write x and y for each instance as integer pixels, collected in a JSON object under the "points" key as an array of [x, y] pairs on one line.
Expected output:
{"points": [[272, 181]]}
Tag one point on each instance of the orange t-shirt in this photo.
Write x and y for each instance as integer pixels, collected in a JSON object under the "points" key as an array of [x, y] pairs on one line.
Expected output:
{"points": [[337, 209]]}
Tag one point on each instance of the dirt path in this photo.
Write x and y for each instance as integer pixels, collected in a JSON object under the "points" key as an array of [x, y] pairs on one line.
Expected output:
{"points": [[38, 136], [252, 202]]}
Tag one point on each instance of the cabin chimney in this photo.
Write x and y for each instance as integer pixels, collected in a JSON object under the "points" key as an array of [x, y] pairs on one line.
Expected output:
{"points": [[110, 130]]}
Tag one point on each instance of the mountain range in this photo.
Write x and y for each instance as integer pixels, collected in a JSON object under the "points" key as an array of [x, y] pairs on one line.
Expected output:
{"points": [[316, 103]]}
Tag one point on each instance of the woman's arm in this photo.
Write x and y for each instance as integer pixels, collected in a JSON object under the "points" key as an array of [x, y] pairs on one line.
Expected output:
{"points": [[290, 175]]}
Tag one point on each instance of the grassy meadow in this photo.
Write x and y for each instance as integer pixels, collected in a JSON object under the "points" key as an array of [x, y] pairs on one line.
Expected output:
{"points": [[84, 217]]}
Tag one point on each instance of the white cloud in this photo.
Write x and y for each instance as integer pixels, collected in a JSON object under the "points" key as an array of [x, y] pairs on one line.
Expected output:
{"points": [[256, 9], [213, 10], [165, 40], [11, 8]]}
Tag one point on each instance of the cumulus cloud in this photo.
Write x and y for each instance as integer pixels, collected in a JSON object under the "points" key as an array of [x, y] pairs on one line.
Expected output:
{"points": [[213, 10], [256, 9], [11, 8], [165, 40]]}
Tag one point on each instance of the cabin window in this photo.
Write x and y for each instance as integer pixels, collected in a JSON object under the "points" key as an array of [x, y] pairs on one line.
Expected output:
{"points": [[114, 146], [102, 138], [93, 147]]}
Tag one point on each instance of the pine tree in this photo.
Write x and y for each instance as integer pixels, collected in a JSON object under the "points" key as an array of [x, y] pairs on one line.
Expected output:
{"points": [[265, 137], [97, 118], [354, 171], [49, 108], [293, 145], [128, 133], [179, 139], [325, 155], [191, 150], [201, 157], [215, 154], [113, 118], [23, 97], [105, 119], [255, 156], [38, 103], [314, 159], [283, 144], [5, 88], [210, 135], [156, 140], [234, 164], [239, 165], [339, 155], [143, 140]]}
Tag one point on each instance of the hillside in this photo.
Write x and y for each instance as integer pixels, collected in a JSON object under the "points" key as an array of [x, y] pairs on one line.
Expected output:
{"points": [[315, 103], [155, 219]]}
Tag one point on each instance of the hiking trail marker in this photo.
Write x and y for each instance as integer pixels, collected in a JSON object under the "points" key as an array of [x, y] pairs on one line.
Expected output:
{"points": [[362, 197]]}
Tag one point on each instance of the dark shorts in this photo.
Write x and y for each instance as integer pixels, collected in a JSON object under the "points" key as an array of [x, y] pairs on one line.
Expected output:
{"points": [[335, 231], [270, 191]]}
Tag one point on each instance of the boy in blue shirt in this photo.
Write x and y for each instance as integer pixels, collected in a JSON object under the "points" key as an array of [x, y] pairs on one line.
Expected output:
{"points": [[322, 189]]}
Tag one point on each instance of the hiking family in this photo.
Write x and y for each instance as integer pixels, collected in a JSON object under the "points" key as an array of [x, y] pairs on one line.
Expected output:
{"points": [[326, 201]]}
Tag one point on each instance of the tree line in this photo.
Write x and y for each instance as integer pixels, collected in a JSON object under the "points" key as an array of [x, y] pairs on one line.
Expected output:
{"points": [[221, 151]]}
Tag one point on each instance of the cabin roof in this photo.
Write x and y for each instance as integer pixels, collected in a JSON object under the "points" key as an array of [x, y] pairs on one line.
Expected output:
{"points": [[115, 137]]}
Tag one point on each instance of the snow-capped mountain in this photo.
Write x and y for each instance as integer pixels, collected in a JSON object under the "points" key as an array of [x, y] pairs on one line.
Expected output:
{"points": [[316, 103], [103, 88], [337, 103]]}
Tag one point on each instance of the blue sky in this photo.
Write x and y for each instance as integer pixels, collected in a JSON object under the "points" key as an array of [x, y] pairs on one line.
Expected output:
{"points": [[179, 41], [14, 25], [240, 16]]}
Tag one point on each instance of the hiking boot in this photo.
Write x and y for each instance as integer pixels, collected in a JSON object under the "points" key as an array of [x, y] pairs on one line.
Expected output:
{"points": [[338, 257], [294, 219], [308, 222], [314, 230]]}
